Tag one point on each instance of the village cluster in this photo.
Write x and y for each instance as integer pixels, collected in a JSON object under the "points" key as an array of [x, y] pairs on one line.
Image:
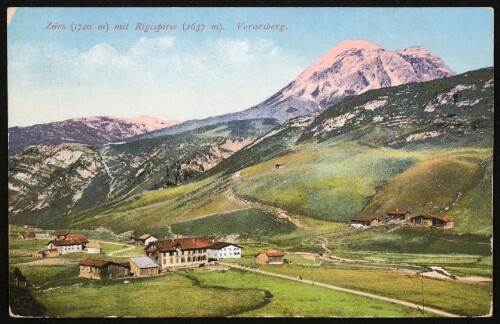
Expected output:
{"points": [[401, 216], [160, 256]]}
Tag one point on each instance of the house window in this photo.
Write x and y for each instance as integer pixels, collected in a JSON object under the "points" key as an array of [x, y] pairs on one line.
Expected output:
{"points": [[182, 260], [171, 260], [189, 259]]}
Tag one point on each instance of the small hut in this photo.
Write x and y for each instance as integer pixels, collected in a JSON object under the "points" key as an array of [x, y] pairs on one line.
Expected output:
{"points": [[401, 215], [143, 266], [270, 257]]}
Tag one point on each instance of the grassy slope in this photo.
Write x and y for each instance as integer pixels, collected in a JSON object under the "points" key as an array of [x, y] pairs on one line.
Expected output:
{"points": [[433, 184], [330, 183], [249, 222], [456, 297], [339, 180]]}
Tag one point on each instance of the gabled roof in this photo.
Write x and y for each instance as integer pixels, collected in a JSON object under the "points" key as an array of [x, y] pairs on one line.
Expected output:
{"points": [[183, 244], [143, 237], [77, 237], [445, 219], [93, 244], [363, 219], [64, 242], [221, 245], [274, 253], [397, 211], [95, 263], [144, 262], [102, 263]]}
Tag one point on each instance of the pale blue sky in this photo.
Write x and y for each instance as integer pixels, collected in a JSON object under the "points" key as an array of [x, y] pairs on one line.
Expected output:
{"points": [[60, 74]]}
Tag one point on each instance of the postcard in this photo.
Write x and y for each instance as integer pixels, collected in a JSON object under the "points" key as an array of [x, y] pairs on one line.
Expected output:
{"points": [[250, 162]]}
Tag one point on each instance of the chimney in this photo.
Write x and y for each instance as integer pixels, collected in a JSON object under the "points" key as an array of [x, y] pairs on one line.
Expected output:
{"points": [[194, 239]]}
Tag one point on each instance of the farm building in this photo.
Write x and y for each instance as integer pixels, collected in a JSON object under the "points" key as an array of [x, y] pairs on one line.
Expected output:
{"points": [[401, 215], [29, 226], [223, 250], [38, 254], [279, 166], [432, 221], [102, 269], [444, 222], [364, 222], [26, 236], [42, 235], [93, 247], [143, 267], [73, 243], [421, 220], [52, 253], [59, 235], [270, 257], [77, 238], [144, 239], [184, 252]]}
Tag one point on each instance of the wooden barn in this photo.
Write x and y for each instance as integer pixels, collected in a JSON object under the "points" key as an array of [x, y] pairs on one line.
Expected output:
{"points": [[26, 236], [364, 222], [38, 254], [422, 220], [444, 222], [401, 215], [103, 269], [59, 235], [270, 257], [143, 266], [432, 221]]}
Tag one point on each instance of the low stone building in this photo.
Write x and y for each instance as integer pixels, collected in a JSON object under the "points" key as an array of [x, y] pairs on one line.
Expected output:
{"points": [[103, 269], [270, 257], [143, 266]]}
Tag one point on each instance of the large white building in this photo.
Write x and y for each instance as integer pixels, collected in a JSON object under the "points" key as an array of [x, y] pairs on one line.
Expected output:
{"points": [[70, 244], [189, 252], [223, 250]]}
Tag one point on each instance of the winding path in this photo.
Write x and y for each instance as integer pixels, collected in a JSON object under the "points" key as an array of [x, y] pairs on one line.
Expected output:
{"points": [[346, 290]]}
